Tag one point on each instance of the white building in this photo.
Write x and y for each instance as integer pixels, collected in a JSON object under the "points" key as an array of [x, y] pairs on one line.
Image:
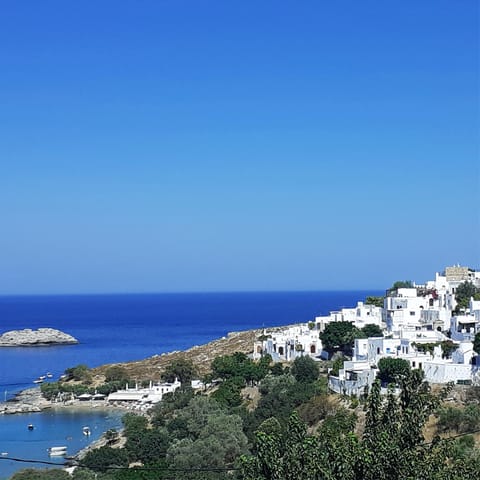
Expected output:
{"points": [[360, 316], [361, 370], [288, 343], [153, 394]]}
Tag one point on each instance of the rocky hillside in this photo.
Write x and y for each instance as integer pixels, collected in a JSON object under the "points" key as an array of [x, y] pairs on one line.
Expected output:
{"points": [[201, 356]]}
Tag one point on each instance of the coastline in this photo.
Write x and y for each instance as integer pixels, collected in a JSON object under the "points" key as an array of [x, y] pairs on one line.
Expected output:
{"points": [[30, 400]]}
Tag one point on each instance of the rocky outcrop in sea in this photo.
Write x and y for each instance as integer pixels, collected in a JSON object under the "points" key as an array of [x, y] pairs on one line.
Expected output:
{"points": [[32, 338]]}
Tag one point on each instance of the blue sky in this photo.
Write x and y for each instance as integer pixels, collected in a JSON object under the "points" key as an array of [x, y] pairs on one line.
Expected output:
{"points": [[211, 145]]}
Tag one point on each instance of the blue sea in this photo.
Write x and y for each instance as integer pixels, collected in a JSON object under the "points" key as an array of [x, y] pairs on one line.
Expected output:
{"points": [[119, 328]]}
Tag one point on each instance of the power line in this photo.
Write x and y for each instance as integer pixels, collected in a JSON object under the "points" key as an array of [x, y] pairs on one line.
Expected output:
{"points": [[79, 465], [453, 437], [178, 470]]}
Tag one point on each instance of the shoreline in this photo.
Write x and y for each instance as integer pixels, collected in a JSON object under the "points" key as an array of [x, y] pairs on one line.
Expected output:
{"points": [[30, 400]]}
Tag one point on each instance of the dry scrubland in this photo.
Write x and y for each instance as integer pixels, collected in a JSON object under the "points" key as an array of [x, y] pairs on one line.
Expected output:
{"points": [[201, 356]]}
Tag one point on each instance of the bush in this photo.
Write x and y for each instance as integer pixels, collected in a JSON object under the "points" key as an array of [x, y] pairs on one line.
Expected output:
{"points": [[304, 369], [317, 409], [392, 370], [116, 373], [79, 373], [41, 474], [101, 459]]}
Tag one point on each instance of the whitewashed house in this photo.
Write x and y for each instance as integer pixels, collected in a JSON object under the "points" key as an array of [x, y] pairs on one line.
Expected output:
{"points": [[288, 343], [361, 370], [359, 316], [152, 394]]}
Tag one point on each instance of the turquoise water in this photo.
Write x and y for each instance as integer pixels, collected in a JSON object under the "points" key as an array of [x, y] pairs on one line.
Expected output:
{"points": [[51, 428]]}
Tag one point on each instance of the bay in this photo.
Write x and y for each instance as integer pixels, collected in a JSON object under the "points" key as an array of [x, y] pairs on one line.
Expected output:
{"points": [[51, 428], [120, 328]]}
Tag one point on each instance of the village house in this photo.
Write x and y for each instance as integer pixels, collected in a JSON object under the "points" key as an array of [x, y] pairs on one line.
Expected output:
{"points": [[360, 316], [152, 394], [415, 320], [288, 343]]}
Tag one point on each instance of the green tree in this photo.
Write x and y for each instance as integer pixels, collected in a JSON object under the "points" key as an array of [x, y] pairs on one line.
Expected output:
{"points": [[463, 293], [392, 445], [80, 373], [304, 369], [103, 458], [340, 336], [476, 343], [228, 393], [401, 284], [116, 373], [197, 412], [372, 330], [392, 370], [376, 301], [41, 474], [448, 347], [219, 443], [181, 368]]}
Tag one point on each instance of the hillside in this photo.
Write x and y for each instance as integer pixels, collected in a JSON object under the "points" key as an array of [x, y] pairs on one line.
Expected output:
{"points": [[201, 356]]}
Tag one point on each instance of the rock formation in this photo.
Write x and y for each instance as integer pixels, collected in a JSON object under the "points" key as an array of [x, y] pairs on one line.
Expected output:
{"points": [[31, 338]]}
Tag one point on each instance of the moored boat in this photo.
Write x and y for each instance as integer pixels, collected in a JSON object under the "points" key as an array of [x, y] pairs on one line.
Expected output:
{"points": [[86, 430], [57, 451]]}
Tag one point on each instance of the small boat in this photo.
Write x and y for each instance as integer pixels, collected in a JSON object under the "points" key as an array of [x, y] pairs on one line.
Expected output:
{"points": [[86, 430], [49, 375], [30, 426], [4, 454], [38, 380], [42, 377], [57, 451]]}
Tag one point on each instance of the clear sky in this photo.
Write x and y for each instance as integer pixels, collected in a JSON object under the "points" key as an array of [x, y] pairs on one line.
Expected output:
{"points": [[151, 146]]}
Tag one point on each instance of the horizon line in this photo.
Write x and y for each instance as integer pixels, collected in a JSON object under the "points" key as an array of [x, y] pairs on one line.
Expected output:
{"points": [[187, 292]]}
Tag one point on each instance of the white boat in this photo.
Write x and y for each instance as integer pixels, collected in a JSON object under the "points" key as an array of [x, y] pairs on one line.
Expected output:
{"points": [[38, 380], [57, 451], [49, 375], [86, 430]]}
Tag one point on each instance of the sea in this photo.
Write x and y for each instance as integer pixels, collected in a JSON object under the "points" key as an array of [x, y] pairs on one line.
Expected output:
{"points": [[119, 328]]}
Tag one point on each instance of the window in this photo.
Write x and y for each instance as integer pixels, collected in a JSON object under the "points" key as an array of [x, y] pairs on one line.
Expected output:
{"points": [[412, 313], [413, 364]]}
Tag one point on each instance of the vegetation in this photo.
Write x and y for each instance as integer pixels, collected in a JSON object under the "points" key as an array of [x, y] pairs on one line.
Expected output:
{"points": [[376, 301], [116, 373], [372, 330], [476, 343], [390, 447], [458, 419], [41, 474], [182, 369], [463, 293], [401, 284], [304, 369], [80, 373], [393, 370], [220, 436], [340, 336]]}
